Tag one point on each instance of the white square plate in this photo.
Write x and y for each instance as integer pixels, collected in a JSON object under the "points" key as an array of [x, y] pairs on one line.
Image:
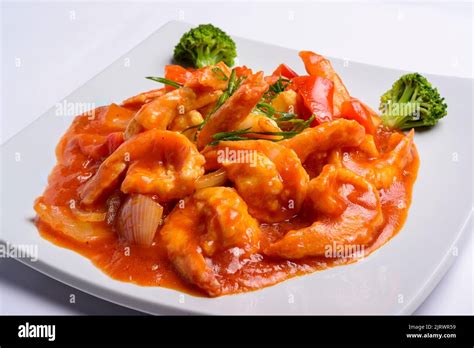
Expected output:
{"points": [[393, 280]]}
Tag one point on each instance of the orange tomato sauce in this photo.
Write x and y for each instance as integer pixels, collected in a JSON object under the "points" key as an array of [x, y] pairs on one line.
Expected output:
{"points": [[150, 266]]}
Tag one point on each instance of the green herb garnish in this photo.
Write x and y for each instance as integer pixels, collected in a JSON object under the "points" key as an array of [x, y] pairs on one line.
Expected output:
{"points": [[232, 86], [276, 88], [239, 135], [165, 81], [283, 119], [219, 73]]}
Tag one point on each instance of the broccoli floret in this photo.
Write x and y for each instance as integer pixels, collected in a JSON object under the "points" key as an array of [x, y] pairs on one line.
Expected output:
{"points": [[412, 102], [205, 45]]}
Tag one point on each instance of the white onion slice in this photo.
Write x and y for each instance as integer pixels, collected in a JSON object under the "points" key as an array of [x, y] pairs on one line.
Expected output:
{"points": [[139, 218], [217, 178], [60, 218], [89, 216]]}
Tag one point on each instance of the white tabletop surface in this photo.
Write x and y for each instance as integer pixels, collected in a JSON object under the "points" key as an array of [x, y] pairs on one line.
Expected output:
{"points": [[50, 49]]}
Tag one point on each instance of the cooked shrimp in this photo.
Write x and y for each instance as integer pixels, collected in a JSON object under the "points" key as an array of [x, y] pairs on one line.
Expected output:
{"points": [[255, 122], [213, 76], [212, 220], [84, 146], [383, 170], [156, 162], [349, 213], [258, 123], [326, 136], [184, 121], [159, 113], [187, 123], [268, 176], [138, 100], [234, 110], [369, 147]]}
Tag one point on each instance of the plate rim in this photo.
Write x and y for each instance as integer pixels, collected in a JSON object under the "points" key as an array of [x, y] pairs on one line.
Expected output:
{"points": [[86, 286]]}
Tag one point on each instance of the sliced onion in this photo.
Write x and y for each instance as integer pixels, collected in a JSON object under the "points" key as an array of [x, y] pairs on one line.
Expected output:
{"points": [[61, 219], [217, 178], [138, 219], [133, 128], [89, 216]]}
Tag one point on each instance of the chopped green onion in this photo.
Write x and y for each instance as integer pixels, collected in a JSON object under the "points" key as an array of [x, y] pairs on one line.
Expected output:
{"points": [[232, 86], [281, 118], [219, 73], [237, 135], [165, 81], [276, 88]]}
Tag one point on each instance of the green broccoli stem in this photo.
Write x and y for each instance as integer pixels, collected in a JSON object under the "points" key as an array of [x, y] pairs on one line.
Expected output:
{"points": [[413, 124], [203, 61], [395, 121], [203, 58], [407, 94], [207, 57]]}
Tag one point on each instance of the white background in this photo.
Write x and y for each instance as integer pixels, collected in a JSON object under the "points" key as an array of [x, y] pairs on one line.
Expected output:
{"points": [[50, 49]]}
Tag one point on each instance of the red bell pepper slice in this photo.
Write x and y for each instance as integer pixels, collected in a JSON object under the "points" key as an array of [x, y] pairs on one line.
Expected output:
{"points": [[242, 71], [317, 94], [354, 109], [281, 71], [177, 74], [284, 71], [317, 65]]}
